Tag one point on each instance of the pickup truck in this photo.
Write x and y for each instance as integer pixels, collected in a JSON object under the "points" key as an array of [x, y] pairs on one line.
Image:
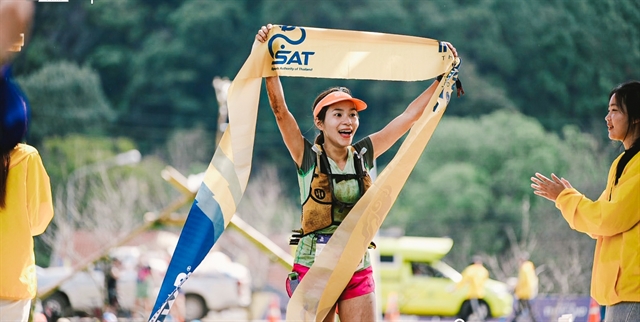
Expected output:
{"points": [[411, 270], [217, 284]]}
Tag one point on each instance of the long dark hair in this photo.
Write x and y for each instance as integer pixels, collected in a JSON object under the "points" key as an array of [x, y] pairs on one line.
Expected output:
{"points": [[5, 161], [14, 117], [628, 99], [323, 112]]}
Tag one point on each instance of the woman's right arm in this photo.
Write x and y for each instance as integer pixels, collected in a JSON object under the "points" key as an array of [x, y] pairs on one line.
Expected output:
{"points": [[287, 124], [600, 217]]}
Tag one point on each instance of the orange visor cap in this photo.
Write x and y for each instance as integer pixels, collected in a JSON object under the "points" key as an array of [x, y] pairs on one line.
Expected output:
{"points": [[335, 97]]}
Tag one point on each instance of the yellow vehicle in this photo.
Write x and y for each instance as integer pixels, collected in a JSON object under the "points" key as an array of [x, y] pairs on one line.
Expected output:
{"points": [[411, 270]]}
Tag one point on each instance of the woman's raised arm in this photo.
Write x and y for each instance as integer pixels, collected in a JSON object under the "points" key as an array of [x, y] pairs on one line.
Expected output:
{"points": [[287, 124], [392, 132]]}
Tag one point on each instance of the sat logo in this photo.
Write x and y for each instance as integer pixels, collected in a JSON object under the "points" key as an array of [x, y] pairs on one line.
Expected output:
{"points": [[288, 57]]}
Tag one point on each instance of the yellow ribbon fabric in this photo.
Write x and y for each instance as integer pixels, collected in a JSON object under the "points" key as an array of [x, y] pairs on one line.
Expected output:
{"points": [[326, 53]]}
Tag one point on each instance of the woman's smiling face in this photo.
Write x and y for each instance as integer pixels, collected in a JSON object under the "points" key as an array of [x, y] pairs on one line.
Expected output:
{"points": [[340, 123], [617, 120]]}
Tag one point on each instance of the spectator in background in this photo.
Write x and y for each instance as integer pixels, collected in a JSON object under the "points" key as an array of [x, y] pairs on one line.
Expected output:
{"points": [[473, 279], [613, 219], [526, 289], [143, 284], [111, 281]]}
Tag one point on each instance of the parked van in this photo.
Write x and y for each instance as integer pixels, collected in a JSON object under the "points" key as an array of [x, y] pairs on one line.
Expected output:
{"points": [[411, 270], [217, 284]]}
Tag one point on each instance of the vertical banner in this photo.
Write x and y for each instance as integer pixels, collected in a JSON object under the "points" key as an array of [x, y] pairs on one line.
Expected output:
{"points": [[298, 52]]}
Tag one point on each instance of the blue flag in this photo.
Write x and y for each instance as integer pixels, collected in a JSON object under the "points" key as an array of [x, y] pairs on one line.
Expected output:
{"points": [[201, 230]]}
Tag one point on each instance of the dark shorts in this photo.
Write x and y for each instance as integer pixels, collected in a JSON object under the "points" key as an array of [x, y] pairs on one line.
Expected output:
{"points": [[112, 297], [361, 282]]}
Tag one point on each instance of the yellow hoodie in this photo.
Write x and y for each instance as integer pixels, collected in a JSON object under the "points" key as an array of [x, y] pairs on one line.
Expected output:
{"points": [[527, 287], [474, 276], [28, 211], [614, 221]]}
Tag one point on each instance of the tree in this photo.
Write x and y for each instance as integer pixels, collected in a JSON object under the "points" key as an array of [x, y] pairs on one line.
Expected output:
{"points": [[474, 175], [66, 98], [189, 150], [108, 201], [555, 61]]}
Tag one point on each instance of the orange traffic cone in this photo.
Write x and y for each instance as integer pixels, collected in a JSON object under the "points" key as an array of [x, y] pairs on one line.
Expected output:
{"points": [[392, 313], [594, 312], [273, 314]]}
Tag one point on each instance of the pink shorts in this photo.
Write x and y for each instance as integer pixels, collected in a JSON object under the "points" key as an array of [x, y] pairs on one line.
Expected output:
{"points": [[361, 282]]}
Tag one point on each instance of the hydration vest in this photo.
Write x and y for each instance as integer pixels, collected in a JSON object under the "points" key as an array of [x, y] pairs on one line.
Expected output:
{"points": [[318, 209]]}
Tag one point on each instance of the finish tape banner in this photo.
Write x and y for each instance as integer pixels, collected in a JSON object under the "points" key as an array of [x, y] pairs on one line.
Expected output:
{"points": [[319, 53]]}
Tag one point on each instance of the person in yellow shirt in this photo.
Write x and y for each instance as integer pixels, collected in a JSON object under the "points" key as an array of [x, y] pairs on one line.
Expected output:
{"points": [[473, 279], [526, 288], [613, 219], [26, 207], [25, 211]]}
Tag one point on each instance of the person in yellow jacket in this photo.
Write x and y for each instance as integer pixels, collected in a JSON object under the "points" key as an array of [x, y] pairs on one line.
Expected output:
{"points": [[613, 220], [473, 279], [26, 207], [526, 288]]}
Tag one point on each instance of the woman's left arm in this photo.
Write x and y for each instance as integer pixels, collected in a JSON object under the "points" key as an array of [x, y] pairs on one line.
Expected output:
{"points": [[392, 132]]}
